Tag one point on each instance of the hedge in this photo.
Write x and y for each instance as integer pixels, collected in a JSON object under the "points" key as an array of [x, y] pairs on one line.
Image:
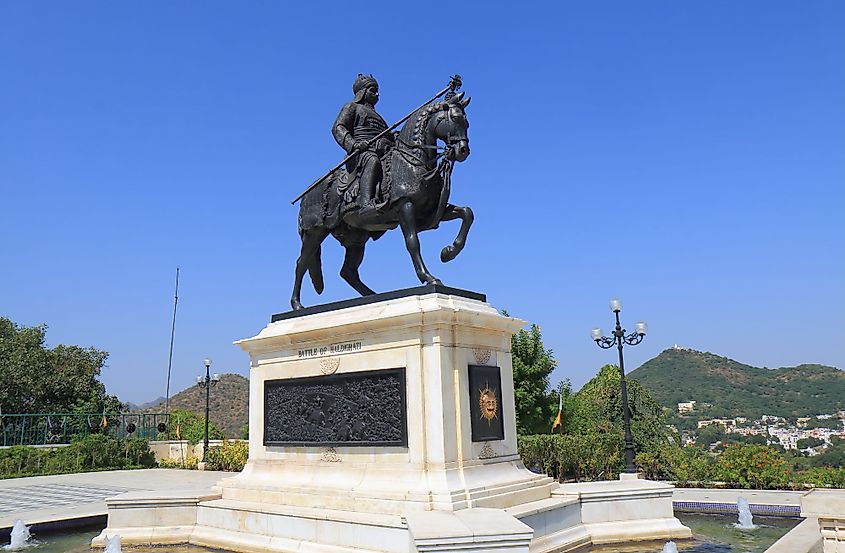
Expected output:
{"points": [[88, 453], [600, 457]]}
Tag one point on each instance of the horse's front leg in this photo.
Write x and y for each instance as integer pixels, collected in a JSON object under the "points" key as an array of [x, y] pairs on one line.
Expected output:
{"points": [[408, 224], [451, 251], [349, 271]]}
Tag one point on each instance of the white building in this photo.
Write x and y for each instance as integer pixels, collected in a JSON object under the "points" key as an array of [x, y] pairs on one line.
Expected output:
{"points": [[727, 424], [686, 407]]}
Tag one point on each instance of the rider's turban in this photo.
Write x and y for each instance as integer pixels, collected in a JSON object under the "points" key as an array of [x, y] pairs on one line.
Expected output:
{"points": [[363, 82]]}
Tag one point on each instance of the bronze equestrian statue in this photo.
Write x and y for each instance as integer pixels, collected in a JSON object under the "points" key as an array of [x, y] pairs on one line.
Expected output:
{"points": [[391, 179]]}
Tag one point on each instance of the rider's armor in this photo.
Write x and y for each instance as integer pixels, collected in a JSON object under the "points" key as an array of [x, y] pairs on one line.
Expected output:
{"points": [[358, 121]]}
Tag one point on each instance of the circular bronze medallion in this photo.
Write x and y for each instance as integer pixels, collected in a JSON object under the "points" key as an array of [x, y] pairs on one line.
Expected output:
{"points": [[488, 404]]}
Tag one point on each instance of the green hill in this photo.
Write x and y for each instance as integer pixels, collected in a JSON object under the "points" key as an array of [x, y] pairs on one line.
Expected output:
{"points": [[228, 403], [735, 389]]}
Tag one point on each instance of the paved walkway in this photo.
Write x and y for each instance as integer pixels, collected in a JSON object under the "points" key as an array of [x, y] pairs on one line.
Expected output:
{"points": [[62, 497]]}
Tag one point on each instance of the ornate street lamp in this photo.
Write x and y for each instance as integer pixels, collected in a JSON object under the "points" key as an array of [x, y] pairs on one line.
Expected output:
{"points": [[618, 339], [208, 382]]}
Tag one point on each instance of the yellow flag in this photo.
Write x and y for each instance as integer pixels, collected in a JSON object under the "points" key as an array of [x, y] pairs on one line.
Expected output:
{"points": [[559, 414], [557, 422], [104, 423]]}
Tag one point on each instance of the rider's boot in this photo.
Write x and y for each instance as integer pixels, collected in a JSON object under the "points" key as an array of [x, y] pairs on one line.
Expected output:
{"points": [[367, 201]]}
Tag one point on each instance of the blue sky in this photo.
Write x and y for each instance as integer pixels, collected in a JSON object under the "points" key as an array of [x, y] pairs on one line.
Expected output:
{"points": [[686, 157]]}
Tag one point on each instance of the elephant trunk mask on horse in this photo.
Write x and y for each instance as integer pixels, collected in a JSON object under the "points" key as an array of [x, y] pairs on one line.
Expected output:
{"points": [[413, 194]]}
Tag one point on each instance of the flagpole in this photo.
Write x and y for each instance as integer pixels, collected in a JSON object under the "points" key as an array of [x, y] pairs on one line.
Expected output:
{"points": [[170, 355]]}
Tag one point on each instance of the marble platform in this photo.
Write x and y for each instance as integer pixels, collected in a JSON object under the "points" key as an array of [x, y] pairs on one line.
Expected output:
{"points": [[433, 489]]}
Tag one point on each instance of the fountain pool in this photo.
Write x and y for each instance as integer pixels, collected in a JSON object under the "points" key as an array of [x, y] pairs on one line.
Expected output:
{"points": [[713, 534], [79, 541], [717, 534]]}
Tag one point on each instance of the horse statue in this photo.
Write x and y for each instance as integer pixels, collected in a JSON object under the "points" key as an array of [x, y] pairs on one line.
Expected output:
{"points": [[414, 195]]}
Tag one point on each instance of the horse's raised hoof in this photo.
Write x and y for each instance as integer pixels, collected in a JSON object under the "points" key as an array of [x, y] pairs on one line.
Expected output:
{"points": [[448, 253]]}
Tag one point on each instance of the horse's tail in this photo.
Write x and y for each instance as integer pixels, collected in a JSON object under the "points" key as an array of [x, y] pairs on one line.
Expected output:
{"points": [[315, 269]]}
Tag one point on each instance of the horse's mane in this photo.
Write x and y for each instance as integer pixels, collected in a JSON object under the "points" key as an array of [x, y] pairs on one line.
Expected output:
{"points": [[416, 125]]}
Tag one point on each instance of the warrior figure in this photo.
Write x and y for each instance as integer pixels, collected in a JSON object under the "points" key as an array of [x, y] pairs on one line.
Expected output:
{"points": [[356, 126]]}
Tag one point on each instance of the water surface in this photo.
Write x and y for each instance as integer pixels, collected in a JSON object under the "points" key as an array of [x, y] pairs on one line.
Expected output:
{"points": [[717, 534]]}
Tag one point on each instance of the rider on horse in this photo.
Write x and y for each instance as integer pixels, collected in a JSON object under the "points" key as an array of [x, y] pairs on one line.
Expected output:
{"points": [[354, 129]]}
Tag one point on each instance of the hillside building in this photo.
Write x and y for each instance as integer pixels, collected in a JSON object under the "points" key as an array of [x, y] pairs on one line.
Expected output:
{"points": [[686, 407], [727, 424]]}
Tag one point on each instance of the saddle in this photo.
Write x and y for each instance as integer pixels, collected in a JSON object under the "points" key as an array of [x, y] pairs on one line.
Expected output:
{"points": [[347, 184], [337, 197]]}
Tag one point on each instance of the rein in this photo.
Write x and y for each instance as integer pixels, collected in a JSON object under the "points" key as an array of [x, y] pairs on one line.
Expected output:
{"points": [[412, 158], [443, 166]]}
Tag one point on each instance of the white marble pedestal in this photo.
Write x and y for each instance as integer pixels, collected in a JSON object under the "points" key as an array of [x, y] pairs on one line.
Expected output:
{"points": [[439, 491]]}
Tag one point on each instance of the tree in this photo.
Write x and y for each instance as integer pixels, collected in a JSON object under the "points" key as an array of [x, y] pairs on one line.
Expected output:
{"points": [[598, 409], [833, 456], [186, 425], [38, 379], [592, 444], [532, 364], [753, 439], [804, 443], [832, 423], [710, 434]]}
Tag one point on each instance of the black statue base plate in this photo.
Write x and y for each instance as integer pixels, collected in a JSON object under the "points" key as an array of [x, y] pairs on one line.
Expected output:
{"points": [[365, 300]]}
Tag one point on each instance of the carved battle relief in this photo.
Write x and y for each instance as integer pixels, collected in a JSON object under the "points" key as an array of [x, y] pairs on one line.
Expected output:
{"points": [[365, 408]]}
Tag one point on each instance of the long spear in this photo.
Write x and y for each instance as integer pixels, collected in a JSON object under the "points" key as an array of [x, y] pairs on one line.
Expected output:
{"points": [[454, 84]]}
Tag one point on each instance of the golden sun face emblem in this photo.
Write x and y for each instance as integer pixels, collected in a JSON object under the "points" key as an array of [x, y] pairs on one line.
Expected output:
{"points": [[487, 403]]}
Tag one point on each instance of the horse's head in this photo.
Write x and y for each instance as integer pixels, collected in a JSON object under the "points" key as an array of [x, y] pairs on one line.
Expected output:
{"points": [[450, 125], [445, 121]]}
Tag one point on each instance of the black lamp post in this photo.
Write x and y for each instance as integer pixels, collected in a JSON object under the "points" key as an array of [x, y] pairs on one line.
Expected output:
{"points": [[618, 339], [208, 382]]}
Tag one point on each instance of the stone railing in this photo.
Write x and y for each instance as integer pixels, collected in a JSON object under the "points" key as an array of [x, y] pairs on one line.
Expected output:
{"points": [[828, 506]]}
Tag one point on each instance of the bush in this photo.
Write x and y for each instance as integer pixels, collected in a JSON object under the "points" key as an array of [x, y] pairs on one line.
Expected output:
{"points": [[688, 465], [229, 456], [137, 452], [190, 463], [827, 477], [580, 457], [653, 465], [752, 466], [96, 451]]}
